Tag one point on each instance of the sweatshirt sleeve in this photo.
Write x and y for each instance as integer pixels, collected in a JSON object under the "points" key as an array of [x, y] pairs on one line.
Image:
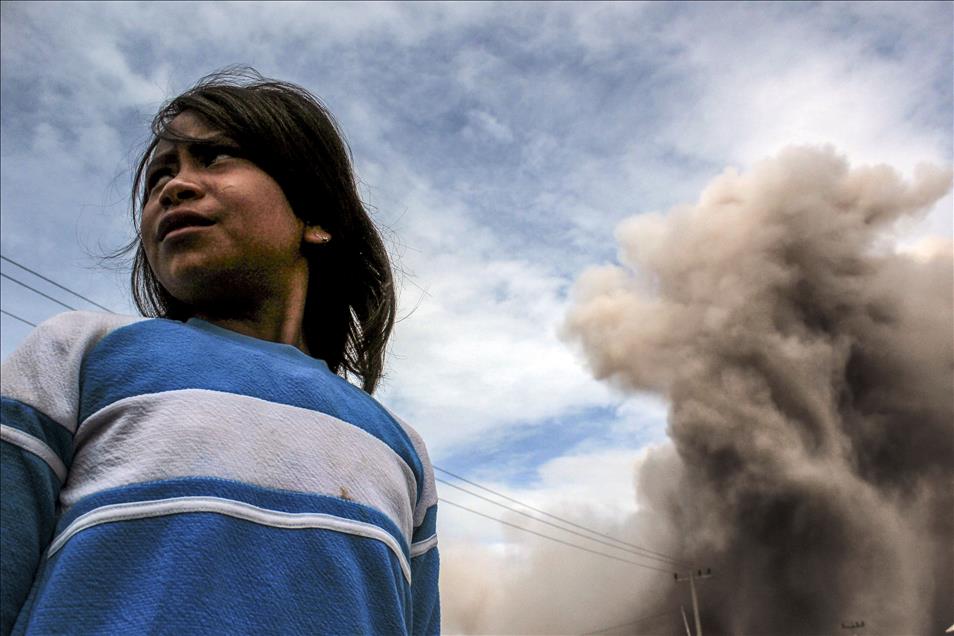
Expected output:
{"points": [[425, 567], [40, 387]]}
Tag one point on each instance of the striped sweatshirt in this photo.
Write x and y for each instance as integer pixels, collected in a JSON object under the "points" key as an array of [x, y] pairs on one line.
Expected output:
{"points": [[161, 477]]}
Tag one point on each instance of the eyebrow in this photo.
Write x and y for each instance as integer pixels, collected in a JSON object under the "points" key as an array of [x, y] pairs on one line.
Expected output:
{"points": [[167, 157]]}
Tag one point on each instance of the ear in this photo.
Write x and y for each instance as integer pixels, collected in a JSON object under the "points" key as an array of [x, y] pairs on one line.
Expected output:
{"points": [[315, 235]]}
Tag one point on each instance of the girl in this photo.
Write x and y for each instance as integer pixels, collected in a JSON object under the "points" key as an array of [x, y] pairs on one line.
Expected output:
{"points": [[209, 469]]}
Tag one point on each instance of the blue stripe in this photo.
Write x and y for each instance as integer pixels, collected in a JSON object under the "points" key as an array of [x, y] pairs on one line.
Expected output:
{"points": [[159, 355], [271, 499], [35, 423], [428, 527], [209, 574]]}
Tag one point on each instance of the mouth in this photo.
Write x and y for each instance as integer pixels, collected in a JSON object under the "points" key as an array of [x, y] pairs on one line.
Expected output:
{"points": [[179, 220]]}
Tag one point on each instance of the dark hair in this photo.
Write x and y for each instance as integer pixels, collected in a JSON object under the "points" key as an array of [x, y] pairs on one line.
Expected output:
{"points": [[288, 133]]}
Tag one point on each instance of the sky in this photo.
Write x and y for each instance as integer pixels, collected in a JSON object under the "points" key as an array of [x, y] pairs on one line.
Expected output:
{"points": [[500, 146]]}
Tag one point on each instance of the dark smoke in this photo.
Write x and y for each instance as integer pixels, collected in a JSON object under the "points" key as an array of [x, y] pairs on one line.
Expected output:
{"points": [[810, 369]]}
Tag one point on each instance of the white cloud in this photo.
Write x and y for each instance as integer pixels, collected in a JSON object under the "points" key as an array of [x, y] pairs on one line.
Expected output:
{"points": [[483, 123], [478, 348], [764, 82]]}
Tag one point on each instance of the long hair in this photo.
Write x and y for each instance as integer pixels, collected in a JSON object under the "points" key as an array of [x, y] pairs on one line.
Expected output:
{"points": [[288, 133]]}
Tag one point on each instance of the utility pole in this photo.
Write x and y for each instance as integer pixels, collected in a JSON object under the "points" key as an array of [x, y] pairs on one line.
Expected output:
{"points": [[692, 588]]}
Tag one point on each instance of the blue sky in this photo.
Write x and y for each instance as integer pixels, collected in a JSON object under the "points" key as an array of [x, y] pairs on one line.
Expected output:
{"points": [[500, 145]]}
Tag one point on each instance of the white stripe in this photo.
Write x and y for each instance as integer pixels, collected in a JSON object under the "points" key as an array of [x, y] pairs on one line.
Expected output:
{"points": [[190, 432], [44, 371], [231, 508], [29, 443], [419, 548]]}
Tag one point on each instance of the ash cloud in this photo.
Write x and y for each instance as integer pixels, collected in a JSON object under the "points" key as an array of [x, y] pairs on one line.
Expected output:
{"points": [[810, 371], [540, 587]]}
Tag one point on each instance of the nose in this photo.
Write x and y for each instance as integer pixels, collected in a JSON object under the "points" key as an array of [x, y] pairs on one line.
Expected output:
{"points": [[179, 189]]}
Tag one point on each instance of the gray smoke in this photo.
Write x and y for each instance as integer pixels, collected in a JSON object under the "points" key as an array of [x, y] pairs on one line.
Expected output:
{"points": [[810, 369]]}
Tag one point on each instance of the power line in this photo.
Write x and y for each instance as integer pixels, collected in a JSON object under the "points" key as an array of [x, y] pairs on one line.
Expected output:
{"points": [[546, 536], [639, 550], [37, 291], [659, 555], [53, 282], [4, 311], [537, 519], [638, 620]]}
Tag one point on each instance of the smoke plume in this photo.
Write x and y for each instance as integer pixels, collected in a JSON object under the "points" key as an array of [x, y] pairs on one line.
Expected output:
{"points": [[810, 372]]}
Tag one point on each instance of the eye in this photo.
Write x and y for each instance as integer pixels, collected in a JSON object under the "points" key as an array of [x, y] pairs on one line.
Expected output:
{"points": [[206, 154], [212, 153], [156, 177]]}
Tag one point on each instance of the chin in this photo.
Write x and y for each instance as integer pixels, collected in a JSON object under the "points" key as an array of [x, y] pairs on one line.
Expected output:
{"points": [[194, 287], [214, 290]]}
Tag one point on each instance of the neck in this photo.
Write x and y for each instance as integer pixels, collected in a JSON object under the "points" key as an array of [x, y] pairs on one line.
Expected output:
{"points": [[282, 332], [278, 318]]}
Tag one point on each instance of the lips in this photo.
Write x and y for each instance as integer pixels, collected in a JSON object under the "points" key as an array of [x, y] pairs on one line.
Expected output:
{"points": [[180, 219]]}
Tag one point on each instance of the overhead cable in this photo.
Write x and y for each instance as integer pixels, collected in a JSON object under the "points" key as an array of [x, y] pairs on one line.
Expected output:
{"points": [[4, 311], [558, 527], [53, 282], [546, 536], [641, 551], [659, 555], [37, 291], [638, 620]]}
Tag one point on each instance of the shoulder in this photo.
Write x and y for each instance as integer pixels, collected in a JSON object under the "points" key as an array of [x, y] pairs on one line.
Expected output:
{"points": [[67, 334], [74, 326], [427, 497], [416, 440], [44, 371]]}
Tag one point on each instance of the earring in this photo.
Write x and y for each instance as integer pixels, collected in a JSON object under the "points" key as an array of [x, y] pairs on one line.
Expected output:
{"points": [[320, 235]]}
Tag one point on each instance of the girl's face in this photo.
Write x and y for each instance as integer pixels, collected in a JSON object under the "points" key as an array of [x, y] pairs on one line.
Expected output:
{"points": [[215, 227]]}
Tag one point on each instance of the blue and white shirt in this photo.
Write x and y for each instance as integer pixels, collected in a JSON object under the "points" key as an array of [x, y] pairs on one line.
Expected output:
{"points": [[175, 478]]}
